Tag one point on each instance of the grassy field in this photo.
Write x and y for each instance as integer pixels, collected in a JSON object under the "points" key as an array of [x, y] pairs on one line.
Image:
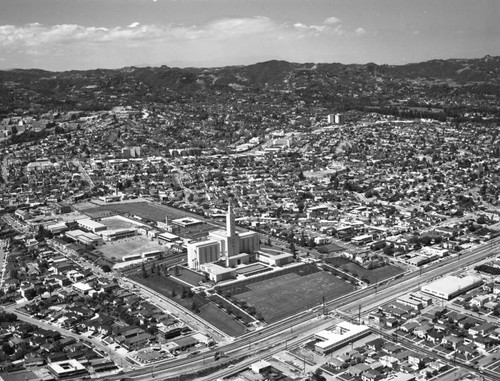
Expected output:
{"points": [[189, 276], [372, 276], [118, 222], [222, 320], [144, 210], [283, 296], [329, 248]]}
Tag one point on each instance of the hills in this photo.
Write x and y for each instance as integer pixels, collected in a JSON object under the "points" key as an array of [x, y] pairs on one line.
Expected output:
{"points": [[73, 88]]}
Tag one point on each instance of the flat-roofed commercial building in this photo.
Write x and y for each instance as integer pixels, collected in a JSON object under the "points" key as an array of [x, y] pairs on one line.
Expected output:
{"points": [[114, 235], [341, 335], [57, 228], [88, 239], [218, 273], [275, 259], [67, 369], [186, 222], [168, 237], [451, 286], [91, 225]]}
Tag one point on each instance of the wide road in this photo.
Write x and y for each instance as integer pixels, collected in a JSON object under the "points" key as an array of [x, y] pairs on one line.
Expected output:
{"points": [[375, 294], [368, 298]]}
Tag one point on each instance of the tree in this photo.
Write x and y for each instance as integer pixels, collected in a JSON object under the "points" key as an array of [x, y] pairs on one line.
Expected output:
{"points": [[293, 250], [7, 349], [481, 220], [13, 274], [388, 250], [144, 271], [30, 293], [318, 375], [426, 240], [311, 242], [106, 268], [194, 308]]}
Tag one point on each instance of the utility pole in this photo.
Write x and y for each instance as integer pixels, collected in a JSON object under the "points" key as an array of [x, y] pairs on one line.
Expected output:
{"points": [[359, 314]]}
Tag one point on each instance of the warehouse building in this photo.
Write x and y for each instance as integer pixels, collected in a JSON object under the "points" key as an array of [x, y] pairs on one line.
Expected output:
{"points": [[451, 286]]}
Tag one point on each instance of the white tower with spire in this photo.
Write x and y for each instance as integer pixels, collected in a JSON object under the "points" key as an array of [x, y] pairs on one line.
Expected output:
{"points": [[230, 224], [232, 239]]}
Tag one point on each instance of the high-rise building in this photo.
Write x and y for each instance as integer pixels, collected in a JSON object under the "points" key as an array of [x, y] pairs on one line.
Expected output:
{"points": [[202, 252], [335, 119]]}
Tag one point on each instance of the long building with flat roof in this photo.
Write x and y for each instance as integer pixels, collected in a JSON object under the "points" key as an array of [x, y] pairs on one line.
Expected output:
{"points": [[91, 225], [451, 286]]}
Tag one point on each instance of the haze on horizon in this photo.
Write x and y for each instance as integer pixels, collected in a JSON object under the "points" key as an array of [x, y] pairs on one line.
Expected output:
{"points": [[86, 34]]}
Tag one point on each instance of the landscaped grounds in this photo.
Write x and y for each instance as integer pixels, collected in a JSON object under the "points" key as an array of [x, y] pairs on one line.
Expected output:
{"points": [[288, 294]]}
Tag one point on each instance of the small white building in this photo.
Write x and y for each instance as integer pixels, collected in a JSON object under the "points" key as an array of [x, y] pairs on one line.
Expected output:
{"points": [[343, 334]]}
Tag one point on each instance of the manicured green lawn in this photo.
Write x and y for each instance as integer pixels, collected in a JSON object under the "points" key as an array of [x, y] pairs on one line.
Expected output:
{"points": [[222, 320], [286, 295]]}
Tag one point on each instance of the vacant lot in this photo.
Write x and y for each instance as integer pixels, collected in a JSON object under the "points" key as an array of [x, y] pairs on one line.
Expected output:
{"points": [[371, 276], [286, 295], [127, 246]]}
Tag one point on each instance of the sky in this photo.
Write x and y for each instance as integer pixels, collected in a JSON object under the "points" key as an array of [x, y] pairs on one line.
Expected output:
{"points": [[63, 35]]}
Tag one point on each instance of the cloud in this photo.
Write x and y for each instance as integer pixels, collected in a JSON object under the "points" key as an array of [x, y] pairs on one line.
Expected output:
{"points": [[360, 31], [36, 34], [332, 26], [37, 44], [231, 27], [332, 20]]}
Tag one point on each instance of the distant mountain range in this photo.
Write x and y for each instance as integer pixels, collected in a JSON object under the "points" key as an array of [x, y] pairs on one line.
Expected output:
{"points": [[353, 80]]}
